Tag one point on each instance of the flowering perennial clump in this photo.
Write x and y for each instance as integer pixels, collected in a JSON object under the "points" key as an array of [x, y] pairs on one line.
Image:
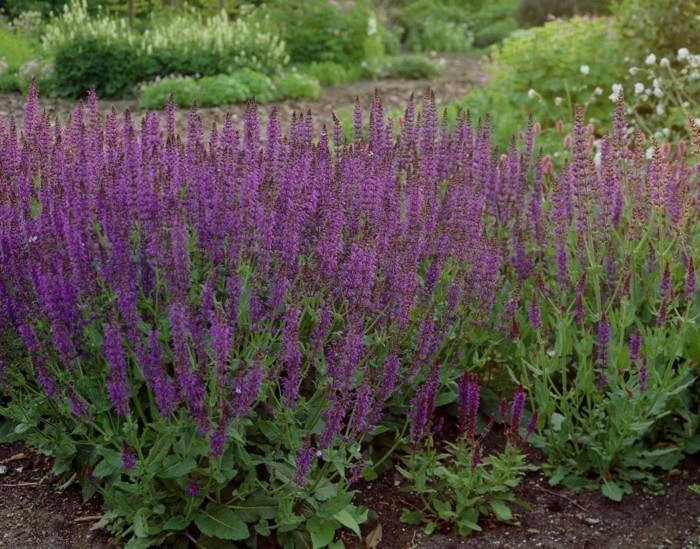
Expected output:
{"points": [[231, 318]]}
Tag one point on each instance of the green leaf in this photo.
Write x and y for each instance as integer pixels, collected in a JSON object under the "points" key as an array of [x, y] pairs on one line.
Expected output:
{"points": [[179, 469], [178, 522], [322, 531], [501, 510], [141, 523], [104, 469], [612, 490], [346, 519], [222, 523], [411, 517]]}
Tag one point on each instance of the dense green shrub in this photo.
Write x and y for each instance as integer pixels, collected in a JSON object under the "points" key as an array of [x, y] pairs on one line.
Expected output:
{"points": [[329, 73], [318, 30], [156, 95], [546, 71], [15, 48], [295, 85], [658, 26], [226, 89], [536, 12], [111, 68], [101, 52], [413, 67], [437, 25], [8, 82]]}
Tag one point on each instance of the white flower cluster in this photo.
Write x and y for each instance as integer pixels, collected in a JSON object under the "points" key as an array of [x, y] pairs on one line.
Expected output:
{"points": [[245, 39]]}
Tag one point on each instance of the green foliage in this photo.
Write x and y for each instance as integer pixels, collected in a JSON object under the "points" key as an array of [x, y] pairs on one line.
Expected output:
{"points": [[294, 85], [111, 68], [318, 30], [492, 21], [8, 82], [15, 48], [329, 73], [536, 12], [226, 89], [545, 71], [185, 44], [658, 26], [456, 491], [413, 67], [441, 25]]}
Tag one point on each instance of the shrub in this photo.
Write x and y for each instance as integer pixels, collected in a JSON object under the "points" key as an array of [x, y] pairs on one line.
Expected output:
{"points": [[546, 70], [210, 91], [657, 26], [441, 25], [112, 68], [156, 95], [329, 73], [15, 48], [185, 44], [294, 85], [413, 67], [215, 44], [492, 21], [221, 333], [318, 30]]}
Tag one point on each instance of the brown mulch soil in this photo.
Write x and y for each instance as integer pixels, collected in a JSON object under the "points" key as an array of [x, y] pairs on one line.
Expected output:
{"points": [[558, 518], [35, 515], [458, 76]]}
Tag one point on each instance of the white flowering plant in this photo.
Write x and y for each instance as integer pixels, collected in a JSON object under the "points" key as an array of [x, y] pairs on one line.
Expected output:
{"points": [[662, 95]]}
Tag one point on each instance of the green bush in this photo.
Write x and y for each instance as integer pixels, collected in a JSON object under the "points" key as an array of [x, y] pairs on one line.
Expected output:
{"points": [[111, 68], [536, 12], [414, 67], [437, 25], [658, 26], [294, 85], [317, 30], [546, 71], [15, 48], [495, 32], [100, 52], [259, 86], [329, 73], [156, 95], [8, 82]]}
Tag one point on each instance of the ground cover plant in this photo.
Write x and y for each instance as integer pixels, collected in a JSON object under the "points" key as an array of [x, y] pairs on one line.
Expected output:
{"points": [[222, 331]]}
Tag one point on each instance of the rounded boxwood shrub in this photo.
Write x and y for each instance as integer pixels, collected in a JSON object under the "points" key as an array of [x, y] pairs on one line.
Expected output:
{"points": [[112, 70]]}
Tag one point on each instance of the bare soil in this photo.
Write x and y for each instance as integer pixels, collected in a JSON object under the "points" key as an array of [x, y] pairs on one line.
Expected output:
{"points": [[34, 514], [456, 79]]}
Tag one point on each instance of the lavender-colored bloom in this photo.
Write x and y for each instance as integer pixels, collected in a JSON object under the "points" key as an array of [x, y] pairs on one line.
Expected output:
{"points": [[306, 455], [117, 384], [78, 405], [643, 376], [516, 410], [193, 489], [423, 406], [534, 315], [128, 457], [532, 424], [635, 345]]}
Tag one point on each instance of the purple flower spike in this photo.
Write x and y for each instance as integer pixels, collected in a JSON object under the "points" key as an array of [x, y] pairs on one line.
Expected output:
{"points": [[128, 457], [635, 345], [516, 410]]}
